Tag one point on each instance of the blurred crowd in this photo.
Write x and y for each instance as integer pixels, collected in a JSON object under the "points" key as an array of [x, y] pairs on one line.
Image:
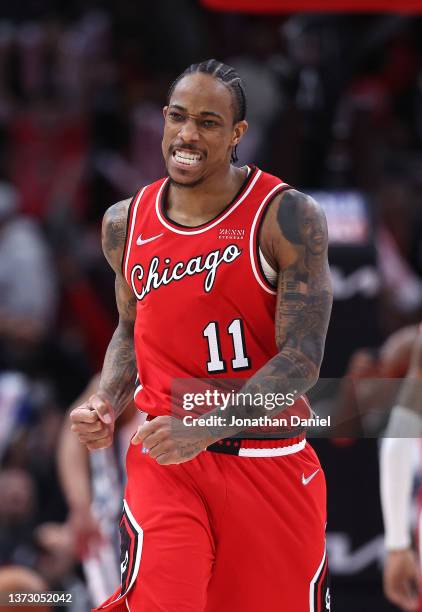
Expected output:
{"points": [[334, 102]]}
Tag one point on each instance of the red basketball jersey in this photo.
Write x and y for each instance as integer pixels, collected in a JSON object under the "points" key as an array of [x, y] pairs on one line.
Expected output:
{"points": [[205, 308]]}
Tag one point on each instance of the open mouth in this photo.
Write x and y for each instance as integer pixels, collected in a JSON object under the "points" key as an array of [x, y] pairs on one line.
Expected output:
{"points": [[186, 158]]}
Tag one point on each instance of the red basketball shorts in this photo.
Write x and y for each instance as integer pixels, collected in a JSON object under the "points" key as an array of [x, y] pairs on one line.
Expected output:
{"points": [[225, 533]]}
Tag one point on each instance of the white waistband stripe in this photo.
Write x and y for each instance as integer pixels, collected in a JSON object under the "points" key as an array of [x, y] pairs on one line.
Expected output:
{"points": [[281, 451]]}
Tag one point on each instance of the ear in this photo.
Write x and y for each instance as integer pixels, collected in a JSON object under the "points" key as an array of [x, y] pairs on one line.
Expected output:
{"points": [[165, 109], [239, 130]]}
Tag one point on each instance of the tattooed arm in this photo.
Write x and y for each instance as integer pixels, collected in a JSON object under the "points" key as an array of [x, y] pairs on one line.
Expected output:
{"points": [[399, 448], [94, 420], [294, 240], [119, 369]]}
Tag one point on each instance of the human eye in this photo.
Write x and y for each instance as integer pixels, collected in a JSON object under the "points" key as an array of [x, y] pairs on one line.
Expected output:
{"points": [[209, 123], [175, 116]]}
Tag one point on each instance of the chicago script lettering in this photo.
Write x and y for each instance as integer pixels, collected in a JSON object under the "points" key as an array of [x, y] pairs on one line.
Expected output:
{"points": [[142, 283]]}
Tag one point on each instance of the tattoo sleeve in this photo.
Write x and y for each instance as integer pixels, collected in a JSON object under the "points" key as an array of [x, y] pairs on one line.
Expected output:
{"points": [[119, 370], [304, 300]]}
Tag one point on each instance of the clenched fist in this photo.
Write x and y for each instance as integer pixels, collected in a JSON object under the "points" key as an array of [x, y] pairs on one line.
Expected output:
{"points": [[93, 422]]}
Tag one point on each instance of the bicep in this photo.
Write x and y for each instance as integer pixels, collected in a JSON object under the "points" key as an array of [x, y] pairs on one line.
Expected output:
{"points": [[113, 242], [303, 304], [304, 293], [113, 233]]}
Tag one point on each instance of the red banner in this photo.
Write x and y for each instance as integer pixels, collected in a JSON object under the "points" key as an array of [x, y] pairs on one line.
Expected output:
{"points": [[296, 6]]}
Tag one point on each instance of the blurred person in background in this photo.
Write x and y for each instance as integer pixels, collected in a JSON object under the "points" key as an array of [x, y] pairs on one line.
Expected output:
{"points": [[397, 199], [28, 284], [26, 539], [30, 423], [56, 562], [400, 456], [365, 395], [254, 61], [360, 404], [18, 506]]}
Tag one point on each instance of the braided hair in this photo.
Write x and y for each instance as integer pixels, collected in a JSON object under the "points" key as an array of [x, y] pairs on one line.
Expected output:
{"points": [[227, 75]]}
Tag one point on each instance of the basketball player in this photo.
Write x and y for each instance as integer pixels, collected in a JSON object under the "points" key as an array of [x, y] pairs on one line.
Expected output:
{"points": [[399, 449], [220, 272]]}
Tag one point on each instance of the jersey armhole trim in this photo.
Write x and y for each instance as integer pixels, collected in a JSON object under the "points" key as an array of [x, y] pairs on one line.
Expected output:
{"points": [[131, 220], [254, 237], [128, 218]]}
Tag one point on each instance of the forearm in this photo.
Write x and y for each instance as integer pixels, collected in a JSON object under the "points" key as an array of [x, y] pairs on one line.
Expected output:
{"points": [[118, 376], [289, 373], [397, 463], [73, 470]]}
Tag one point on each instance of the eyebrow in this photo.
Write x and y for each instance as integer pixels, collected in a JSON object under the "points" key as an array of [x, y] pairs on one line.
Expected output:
{"points": [[202, 114]]}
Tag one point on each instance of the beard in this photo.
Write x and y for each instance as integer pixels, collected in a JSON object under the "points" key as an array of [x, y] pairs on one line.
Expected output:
{"points": [[185, 185]]}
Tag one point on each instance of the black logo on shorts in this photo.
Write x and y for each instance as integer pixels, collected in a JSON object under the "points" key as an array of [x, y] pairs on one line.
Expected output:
{"points": [[130, 546]]}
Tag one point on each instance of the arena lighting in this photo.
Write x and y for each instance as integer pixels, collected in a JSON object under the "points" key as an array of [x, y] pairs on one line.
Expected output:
{"points": [[294, 6]]}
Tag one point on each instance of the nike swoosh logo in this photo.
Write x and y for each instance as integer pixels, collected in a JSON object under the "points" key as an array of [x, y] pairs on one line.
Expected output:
{"points": [[306, 481], [140, 241]]}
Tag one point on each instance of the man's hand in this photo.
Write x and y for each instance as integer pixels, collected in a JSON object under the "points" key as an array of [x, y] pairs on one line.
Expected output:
{"points": [[93, 422], [402, 579], [86, 531], [169, 441]]}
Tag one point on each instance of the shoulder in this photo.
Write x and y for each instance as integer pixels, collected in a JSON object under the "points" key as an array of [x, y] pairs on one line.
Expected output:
{"points": [[297, 211], [295, 205], [118, 212], [294, 220], [114, 231]]}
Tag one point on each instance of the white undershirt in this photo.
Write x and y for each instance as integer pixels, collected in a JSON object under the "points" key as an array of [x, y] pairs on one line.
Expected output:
{"points": [[398, 460], [269, 272]]}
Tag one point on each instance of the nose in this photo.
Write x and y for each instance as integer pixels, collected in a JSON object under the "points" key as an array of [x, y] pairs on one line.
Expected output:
{"points": [[317, 226], [189, 131]]}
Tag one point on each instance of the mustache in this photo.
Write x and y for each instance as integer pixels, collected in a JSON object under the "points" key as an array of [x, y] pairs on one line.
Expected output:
{"points": [[186, 147]]}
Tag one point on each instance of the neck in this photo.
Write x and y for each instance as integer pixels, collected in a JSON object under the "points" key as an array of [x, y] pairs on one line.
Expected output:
{"points": [[199, 204]]}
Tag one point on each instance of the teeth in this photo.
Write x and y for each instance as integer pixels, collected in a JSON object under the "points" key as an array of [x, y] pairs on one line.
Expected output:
{"points": [[189, 159]]}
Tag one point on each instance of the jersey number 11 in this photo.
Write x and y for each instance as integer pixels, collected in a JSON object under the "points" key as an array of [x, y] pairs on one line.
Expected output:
{"points": [[216, 363]]}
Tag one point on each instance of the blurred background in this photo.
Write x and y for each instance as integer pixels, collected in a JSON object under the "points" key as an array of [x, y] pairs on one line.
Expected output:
{"points": [[335, 109]]}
